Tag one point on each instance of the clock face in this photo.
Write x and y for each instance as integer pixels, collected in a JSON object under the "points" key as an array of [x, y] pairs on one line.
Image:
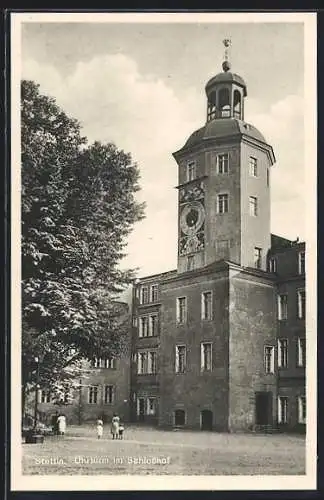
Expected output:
{"points": [[192, 218]]}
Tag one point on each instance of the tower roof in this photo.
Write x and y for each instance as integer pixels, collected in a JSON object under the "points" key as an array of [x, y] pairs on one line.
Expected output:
{"points": [[227, 77]]}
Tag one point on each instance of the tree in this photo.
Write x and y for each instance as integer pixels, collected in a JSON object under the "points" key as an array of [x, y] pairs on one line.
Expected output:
{"points": [[78, 207]]}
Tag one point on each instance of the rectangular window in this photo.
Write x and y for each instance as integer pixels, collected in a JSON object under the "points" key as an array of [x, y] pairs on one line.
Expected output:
{"points": [[181, 310], [282, 306], [302, 410], [253, 166], [301, 352], [45, 397], [272, 265], [144, 295], [282, 353], [253, 206], [180, 359], [153, 330], [301, 263], [143, 326], [269, 359], [206, 305], [109, 394], [301, 296], [191, 171], [257, 257], [152, 362], [222, 203], [223, 163], [93, 394], [206, 357], [134, 321], [110, 363], [154, 293], [151, 406], [282, 410], [142, 362]]}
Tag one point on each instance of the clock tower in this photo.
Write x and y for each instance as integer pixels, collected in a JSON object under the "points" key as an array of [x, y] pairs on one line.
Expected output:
{"points": [[224, 182]]}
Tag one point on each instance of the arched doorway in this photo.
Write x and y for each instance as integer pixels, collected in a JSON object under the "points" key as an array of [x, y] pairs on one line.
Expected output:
{"points": [[179, 417], [206, 419]]}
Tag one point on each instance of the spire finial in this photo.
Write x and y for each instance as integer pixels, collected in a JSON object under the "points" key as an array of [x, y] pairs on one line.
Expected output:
{"points": [[226, 64]]}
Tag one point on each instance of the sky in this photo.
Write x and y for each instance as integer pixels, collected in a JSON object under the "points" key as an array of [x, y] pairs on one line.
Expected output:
{"points": [[141, 86]]}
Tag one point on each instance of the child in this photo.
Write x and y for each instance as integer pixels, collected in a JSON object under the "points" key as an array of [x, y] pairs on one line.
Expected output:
{"points": [[99, 428], [121, 431]]}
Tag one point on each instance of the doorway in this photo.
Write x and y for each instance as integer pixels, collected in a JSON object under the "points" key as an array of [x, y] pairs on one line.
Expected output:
{"points": [[141, 409], [179, 417], [206, 419], [263, 408]]}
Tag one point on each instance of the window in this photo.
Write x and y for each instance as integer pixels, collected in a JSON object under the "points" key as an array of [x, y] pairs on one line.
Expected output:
{"points": [[181, 310], [147, 362], [282, 353], [301, 352], [45, 397], [143, 326], [282, 410], [282, 306], [144, 295], [253, 167], [206, 305], [154, 293], [180, 359], [301, 263], [301, 303], [273, 265], [223, 163], [134, 321], [152, 362], [109, 394], [93, 394], [222, 203], [257, 257], [190, 263], [151, 406], [206, 357], [302, 410], [269, 359], [191, 171], [253, 206], [110, 363], [153, 330], [142, 362]]}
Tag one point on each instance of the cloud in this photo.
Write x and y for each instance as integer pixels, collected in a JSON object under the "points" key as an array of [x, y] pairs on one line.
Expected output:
{"points": [[145, 116]]}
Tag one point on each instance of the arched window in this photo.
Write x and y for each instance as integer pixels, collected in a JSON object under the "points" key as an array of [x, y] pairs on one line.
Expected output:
{"points": [[224, 103], [211, 112], [237, 104]]}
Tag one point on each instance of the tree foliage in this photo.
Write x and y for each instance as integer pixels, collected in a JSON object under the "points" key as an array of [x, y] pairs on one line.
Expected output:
{"points": [[78, 207]]}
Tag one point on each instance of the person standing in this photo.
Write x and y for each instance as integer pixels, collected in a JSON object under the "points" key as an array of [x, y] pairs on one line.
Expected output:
{"points": [[61, 422], [115, 426], [99, 428]]}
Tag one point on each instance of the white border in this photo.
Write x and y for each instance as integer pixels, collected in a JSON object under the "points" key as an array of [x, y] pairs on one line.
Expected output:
{"points": [[105, 483]]}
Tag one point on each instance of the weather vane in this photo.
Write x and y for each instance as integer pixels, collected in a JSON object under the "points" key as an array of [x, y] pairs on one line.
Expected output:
{"points": [[226, 64]]}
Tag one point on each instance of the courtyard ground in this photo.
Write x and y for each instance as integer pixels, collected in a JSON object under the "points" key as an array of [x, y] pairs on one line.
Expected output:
{"points": [[153, 451]]}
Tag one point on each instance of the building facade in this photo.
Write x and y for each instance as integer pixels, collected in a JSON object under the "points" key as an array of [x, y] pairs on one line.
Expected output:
{"points": [[219, 343]]}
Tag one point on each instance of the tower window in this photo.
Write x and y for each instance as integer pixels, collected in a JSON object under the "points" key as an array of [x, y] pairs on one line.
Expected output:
{"points": [[222, 203], [269, 359], [191, 171], [237, 105], [224, 103], [282, 306], [253, 167], [301, 263], [282, 353], [257, 257], [253, 206], [301, 296], [180, 365], [211, 111], [223, 163]]}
